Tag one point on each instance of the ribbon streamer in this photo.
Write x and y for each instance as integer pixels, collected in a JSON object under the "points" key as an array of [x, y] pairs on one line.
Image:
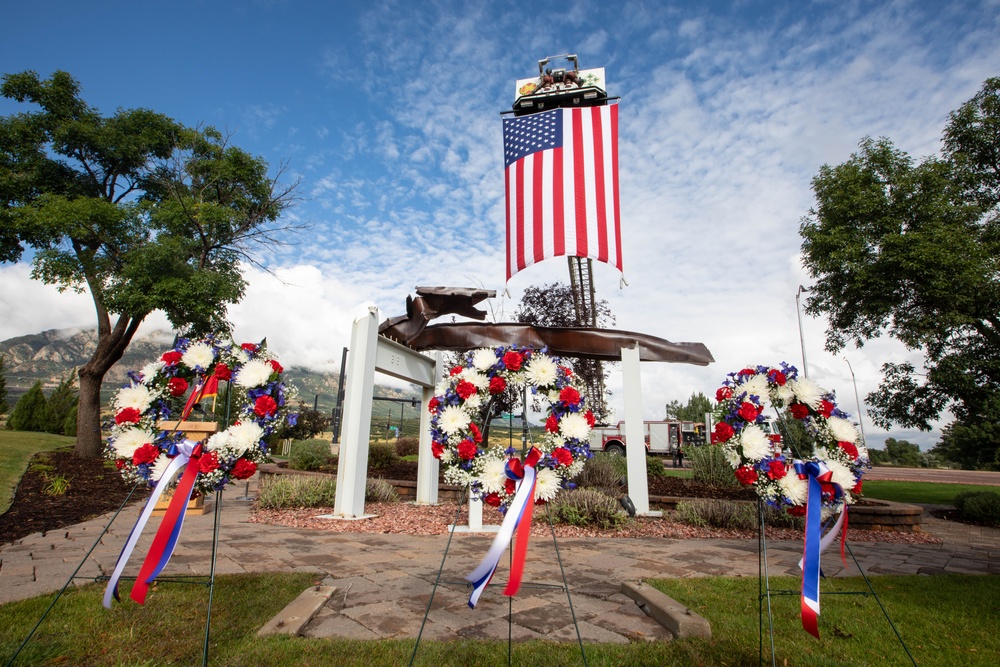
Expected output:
{"points": [[518, 518]]}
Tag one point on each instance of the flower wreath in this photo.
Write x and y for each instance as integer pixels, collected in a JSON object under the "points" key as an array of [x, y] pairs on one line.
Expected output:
{"points": [[458, 441], [141, 452], [760, 460]]}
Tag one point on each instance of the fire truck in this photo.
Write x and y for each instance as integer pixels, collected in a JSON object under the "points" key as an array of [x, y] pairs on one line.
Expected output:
{"points": [[661, 437]]}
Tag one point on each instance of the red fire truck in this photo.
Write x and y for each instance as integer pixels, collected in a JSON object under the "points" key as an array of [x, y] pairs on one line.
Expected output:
{"points": [[661, 437]]}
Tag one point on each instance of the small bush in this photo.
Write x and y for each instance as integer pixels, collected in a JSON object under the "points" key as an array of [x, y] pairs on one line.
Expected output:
{"points": [[381, 455], [55, 485], [981, 507], [408, 446], [731, 515], [290, 491], [588, 507], [709, 466], [309, 455], [603, 473], [380, 491], [654, 467]]}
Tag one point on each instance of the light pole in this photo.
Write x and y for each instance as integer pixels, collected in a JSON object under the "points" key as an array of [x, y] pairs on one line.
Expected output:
{"points": [[861, 421], [802, 339]]}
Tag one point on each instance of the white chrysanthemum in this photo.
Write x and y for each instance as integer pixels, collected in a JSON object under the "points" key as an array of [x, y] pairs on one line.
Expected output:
{"points": [[574, 425], [553, 396], [245, 436], [158, 467], [135, 396], [474, 402], [218, 441], [453, 419], [483, 359], [254, 373], [784, 394], [150, 370], [732, 457], [447, 456], [494, 476], [475, 377], [807, 392], [541, 370], [756, 386], [842, 430], [443, 386], [793, 488], [129, 440], [546, 484], [199, 355], [755, 443], [842, 475], [241, 355]]}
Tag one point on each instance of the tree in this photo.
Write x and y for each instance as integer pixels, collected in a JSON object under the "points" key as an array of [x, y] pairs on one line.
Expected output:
{"points": [[140, 211], [551, 305], [4, 405], [60, 404], [29, 411], [902, 453], [912, 250], [694, 411]]}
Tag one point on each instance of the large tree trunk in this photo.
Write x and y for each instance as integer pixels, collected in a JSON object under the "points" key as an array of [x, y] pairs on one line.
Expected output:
{"points": [[111, 345]]}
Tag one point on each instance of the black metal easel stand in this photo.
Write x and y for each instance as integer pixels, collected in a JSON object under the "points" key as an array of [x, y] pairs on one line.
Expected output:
{"points": [[764, 592], [510, 600], [210, 583]]}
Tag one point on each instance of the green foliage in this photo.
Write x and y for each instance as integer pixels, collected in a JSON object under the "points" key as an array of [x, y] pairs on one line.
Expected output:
{"points": [[29, 412], [4, 405], [732, 515], [588, 507], [909, 249], [61, 402], [381, 455], [408, 446], [897, 453], [933, 493], [709, 466], [380, 491], [603, 473], [291, 491], [654, 467], [693, 411], [55, 485], [309, 455], [974, 442], [309, 423], [981, 507], [69, 424]]}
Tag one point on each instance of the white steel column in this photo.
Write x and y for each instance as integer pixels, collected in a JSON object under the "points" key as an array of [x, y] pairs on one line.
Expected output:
{"points": [[427, 465], [635, 449]]}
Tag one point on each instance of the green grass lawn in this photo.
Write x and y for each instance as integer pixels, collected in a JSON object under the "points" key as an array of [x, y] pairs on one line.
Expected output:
{"points": [[919, 492], [16, 449], [946, 620]]}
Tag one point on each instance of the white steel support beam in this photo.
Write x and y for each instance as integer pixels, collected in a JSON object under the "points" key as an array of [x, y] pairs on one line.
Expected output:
{"points": [[635, 449], [427, 465]]}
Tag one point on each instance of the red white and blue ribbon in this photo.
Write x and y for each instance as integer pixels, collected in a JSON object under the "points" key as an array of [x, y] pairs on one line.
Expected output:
{"points": [[170, 529], [517, 520], [817, 474]]}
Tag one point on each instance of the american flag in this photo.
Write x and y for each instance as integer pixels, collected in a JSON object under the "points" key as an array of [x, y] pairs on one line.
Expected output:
{"points": [[561, 178]]}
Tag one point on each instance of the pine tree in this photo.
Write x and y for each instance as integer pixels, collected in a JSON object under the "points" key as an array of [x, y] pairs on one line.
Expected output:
{"points": [[29, 412], [61, 402], [4, 405]]}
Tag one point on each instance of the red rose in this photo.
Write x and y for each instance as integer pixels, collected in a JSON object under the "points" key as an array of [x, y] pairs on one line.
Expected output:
{"points": [[723, 393], [857, 487], [437, 449], [777, 377], [119, 463], [826, 408], [177, 386], [492, 499], [850, 448], [249, 347], [244, 469], [799, 410], [265, 406], [568, 372], [512, 361], [748, 411], [509, 486], [433, 404], [127, 416], [497, 385], [146, 454], [569, 395], [208, 463], [589, 416], [223, 372], [171, 357], [467, 450], [552, 424], [723, 432], [464, 389], [797, 510], [748, 371], [456, 370], [776, 469], [477, 435], [276, 367], [746, 475], [562, 456]]}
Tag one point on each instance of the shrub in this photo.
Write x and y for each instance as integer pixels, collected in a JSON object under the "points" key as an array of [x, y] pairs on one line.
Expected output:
{"points": [[603, 473], [654, 467], [69, 425], [62, 401], [588, 507], [408, 446], [381, 455], [981, 507], [289, 491], [380, 491], [29, 411], [709, 466], [732, 515], [309, 455]]}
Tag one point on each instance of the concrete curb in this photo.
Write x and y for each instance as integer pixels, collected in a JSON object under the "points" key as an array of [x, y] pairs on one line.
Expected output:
{"points": [[297, 613], [675, 617]]}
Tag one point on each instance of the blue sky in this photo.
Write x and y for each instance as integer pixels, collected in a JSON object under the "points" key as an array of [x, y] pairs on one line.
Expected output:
{"points": [[388, 113]]}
